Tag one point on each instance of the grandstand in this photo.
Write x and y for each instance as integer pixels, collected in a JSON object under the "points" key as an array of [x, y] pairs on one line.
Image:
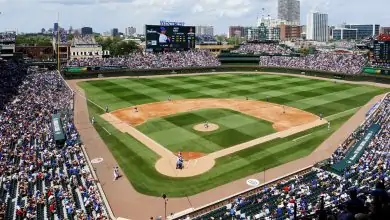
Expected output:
{"points": [[7, 44], [205, 39], [44, 171]]}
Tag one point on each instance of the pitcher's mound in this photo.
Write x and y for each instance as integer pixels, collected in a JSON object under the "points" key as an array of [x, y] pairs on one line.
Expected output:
{"points": [[203, 128], [191, 155]]}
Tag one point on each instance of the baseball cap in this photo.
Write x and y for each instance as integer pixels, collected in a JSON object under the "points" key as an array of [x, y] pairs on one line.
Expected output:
{"points": [[162, 29]]}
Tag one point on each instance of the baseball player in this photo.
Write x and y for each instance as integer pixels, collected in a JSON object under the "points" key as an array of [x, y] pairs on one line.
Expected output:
{"points": [[106, 108], [163, 38], [321, 116], [116, 173], [136, 109], [169, 98], [247, 98], [93, 120], [328, 125]]}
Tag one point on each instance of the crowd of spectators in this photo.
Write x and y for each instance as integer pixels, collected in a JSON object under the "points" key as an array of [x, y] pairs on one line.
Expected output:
{"points": [[196, 58], [84, 40], [323, 61], [206, 39], [7, 37], [262, 48], [40, 178], [360, 192], [63, 36], [344, 44]]}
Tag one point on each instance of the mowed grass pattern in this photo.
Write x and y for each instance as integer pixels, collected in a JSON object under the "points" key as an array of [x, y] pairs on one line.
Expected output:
{"points": [[177, 134], [137, 161], [312, 95]]}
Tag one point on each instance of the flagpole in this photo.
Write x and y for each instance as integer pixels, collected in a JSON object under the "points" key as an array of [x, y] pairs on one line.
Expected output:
{"points": [[58, 42]]}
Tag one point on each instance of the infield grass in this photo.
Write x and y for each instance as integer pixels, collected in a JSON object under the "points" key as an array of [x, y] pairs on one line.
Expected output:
{"points": [[339, 101], [177, 134]]}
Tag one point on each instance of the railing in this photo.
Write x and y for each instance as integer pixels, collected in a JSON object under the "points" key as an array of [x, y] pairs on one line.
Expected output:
{"points": [[101, 192]]}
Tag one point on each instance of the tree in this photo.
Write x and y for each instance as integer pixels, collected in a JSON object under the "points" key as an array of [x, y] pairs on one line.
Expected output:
{"points": [[117, 46], [33, 40]]}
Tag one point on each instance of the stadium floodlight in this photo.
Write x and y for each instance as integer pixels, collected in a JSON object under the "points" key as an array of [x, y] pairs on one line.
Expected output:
{"points": [[164, 196]]}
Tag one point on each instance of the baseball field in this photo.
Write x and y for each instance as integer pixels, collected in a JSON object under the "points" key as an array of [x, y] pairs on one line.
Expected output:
{"points": [[227, 126]]}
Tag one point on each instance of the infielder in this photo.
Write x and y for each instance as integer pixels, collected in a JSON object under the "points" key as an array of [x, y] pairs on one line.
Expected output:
{"points": [[106, 108], [328, 125], [93, 120]]}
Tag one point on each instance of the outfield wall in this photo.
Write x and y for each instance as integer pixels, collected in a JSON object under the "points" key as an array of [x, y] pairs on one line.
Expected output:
{"points": [[227, 68]]}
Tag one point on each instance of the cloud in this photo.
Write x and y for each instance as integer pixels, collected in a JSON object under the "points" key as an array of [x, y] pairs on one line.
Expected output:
{"points": [[103, 15]]}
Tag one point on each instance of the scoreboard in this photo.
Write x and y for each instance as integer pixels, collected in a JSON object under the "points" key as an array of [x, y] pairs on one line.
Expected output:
{"points": [[382, 51], [169, 38]]}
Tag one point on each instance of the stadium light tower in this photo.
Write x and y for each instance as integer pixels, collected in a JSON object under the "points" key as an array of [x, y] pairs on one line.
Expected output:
{"points": [[164, 196]]}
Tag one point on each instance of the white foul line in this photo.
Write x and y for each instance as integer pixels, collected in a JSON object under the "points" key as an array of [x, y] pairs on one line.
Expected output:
{"points": [[301, 137], [106, 130]]}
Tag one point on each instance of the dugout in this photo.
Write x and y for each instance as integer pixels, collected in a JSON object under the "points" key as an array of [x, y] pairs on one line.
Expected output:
{"points": [[58, 131]]}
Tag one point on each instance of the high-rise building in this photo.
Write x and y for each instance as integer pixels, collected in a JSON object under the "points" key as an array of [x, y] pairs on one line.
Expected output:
{"points": [[289, 10], [236, 31], [55, 27], [86, 31], [129, 31], [344, 34], [115, 32], [317, 27], [204, 30], [384, 30], [364, 30], [288, 32]]}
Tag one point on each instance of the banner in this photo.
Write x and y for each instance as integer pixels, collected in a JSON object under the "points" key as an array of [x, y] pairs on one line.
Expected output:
{"points": [[58, 132], [356, 151]]}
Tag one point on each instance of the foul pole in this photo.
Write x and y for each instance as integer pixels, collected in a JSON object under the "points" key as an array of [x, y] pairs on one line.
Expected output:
{"points": [[58, 43]]}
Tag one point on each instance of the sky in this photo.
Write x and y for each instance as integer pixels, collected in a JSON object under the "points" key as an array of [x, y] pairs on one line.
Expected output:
{"points": [[102, 15]]}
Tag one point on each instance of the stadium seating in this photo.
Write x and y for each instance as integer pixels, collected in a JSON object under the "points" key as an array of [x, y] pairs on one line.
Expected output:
{"points": [[151, 60], [40, 178]]}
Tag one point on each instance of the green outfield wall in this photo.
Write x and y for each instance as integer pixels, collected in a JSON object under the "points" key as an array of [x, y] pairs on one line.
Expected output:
{"points": [[94, 73]]}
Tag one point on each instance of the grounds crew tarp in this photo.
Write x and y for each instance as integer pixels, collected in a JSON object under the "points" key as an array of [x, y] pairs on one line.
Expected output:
{"points": [[357, 150], [58, 132]]}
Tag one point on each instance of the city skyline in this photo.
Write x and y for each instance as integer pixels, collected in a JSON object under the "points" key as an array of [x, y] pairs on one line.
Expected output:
{"points": [[220, 14]]}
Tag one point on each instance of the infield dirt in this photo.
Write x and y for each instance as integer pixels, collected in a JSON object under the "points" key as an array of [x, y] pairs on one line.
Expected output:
{"points": [[286, 120]]}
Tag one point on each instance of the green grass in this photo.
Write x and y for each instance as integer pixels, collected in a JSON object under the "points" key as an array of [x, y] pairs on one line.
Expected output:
{"points": [[234, 128], [316, 96]]}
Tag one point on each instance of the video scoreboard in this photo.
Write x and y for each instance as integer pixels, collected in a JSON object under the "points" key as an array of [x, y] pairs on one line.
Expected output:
{"points": [[169, 38], [382, 51]]}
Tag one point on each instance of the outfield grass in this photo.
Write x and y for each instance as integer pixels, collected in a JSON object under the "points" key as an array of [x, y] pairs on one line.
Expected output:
{"points": [[316, 96], [176, 132]]}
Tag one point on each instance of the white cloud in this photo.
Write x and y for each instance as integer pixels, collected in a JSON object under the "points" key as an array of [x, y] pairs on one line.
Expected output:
{"points": [[102, 15]]}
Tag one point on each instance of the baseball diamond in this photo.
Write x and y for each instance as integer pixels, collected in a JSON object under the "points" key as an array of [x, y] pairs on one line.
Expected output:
{"points": [[148, 142]]}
